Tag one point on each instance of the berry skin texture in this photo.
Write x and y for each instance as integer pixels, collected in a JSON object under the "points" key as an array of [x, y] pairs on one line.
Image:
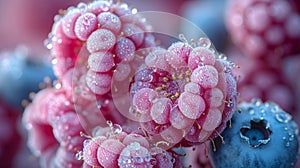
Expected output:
{"points": [[262, 135], [112, 147], [100, 31], [53, 128], [265, 29]]}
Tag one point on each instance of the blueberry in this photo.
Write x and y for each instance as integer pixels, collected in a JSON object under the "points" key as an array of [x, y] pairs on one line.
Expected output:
{"points": [[208, 15], [261, 135], [20, 75]]}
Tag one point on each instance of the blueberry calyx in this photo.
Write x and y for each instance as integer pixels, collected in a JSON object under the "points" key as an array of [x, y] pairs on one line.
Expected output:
{"points": [[257, 134]]}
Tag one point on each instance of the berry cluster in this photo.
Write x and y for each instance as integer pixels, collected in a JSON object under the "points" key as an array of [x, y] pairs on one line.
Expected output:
{"points": [[122, 101], [176, 97]]}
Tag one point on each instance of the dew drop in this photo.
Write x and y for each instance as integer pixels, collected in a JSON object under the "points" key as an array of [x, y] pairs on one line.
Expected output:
{"points": [[79, 155], [204, 42], [82, 7], [54, 61], [139, 159], [256, 102], [283, 117], [48, 43], [133, 110], [251, 110], [148, 158], [274, 108], [229, 103], [287, 144], [109, 123], [182, 38], [86, 142], [227, 69]]}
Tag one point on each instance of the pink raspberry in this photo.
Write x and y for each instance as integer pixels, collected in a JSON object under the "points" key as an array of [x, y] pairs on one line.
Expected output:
{"points": [[266, 82], [183, 92], [54, 128], [112, 147], [265, 29], [105, 32]]}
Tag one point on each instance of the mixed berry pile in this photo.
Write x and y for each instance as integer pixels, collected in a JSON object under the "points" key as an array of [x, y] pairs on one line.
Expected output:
{"points": [[121, 97]]}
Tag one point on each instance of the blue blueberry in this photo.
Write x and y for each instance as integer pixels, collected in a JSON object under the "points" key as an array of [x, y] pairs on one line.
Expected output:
{"points": [[21, 75], [262, 135], [208, 15]]}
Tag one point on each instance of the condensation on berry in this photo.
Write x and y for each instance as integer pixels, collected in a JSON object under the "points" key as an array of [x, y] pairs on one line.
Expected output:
{"points": [[283, 117]]}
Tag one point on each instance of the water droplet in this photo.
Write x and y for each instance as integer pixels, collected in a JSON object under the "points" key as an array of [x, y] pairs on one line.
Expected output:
{"points": [[79, 155], [139, 159], [229, 103], [82, 7], [117, 129], [109, 123], [287, 144], [133, 110], [251, 110], [262, 110], [48, 43], [283, 117], [148, 158], [256, 102], [204, 42], [182, 38], [274, 108], [86, 142], [291, 138], [227, 69]]}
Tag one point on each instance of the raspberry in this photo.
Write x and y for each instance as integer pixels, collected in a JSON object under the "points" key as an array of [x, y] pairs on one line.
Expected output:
{"points": [[189, 93], [54, 126], [105, 32], [107, 149], [264, 29], [265, 82], [257, 130]]}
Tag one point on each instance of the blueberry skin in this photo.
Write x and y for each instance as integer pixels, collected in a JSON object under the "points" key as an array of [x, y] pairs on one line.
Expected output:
{"points": [[21, 75], [262, 136], [208, 15]]}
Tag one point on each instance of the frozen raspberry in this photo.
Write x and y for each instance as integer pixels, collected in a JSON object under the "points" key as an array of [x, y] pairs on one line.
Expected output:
{"points": [[265, 29], [54, 128], [265, 82], [258, 132], [112, 147], [183, 92], [104, 32]]}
